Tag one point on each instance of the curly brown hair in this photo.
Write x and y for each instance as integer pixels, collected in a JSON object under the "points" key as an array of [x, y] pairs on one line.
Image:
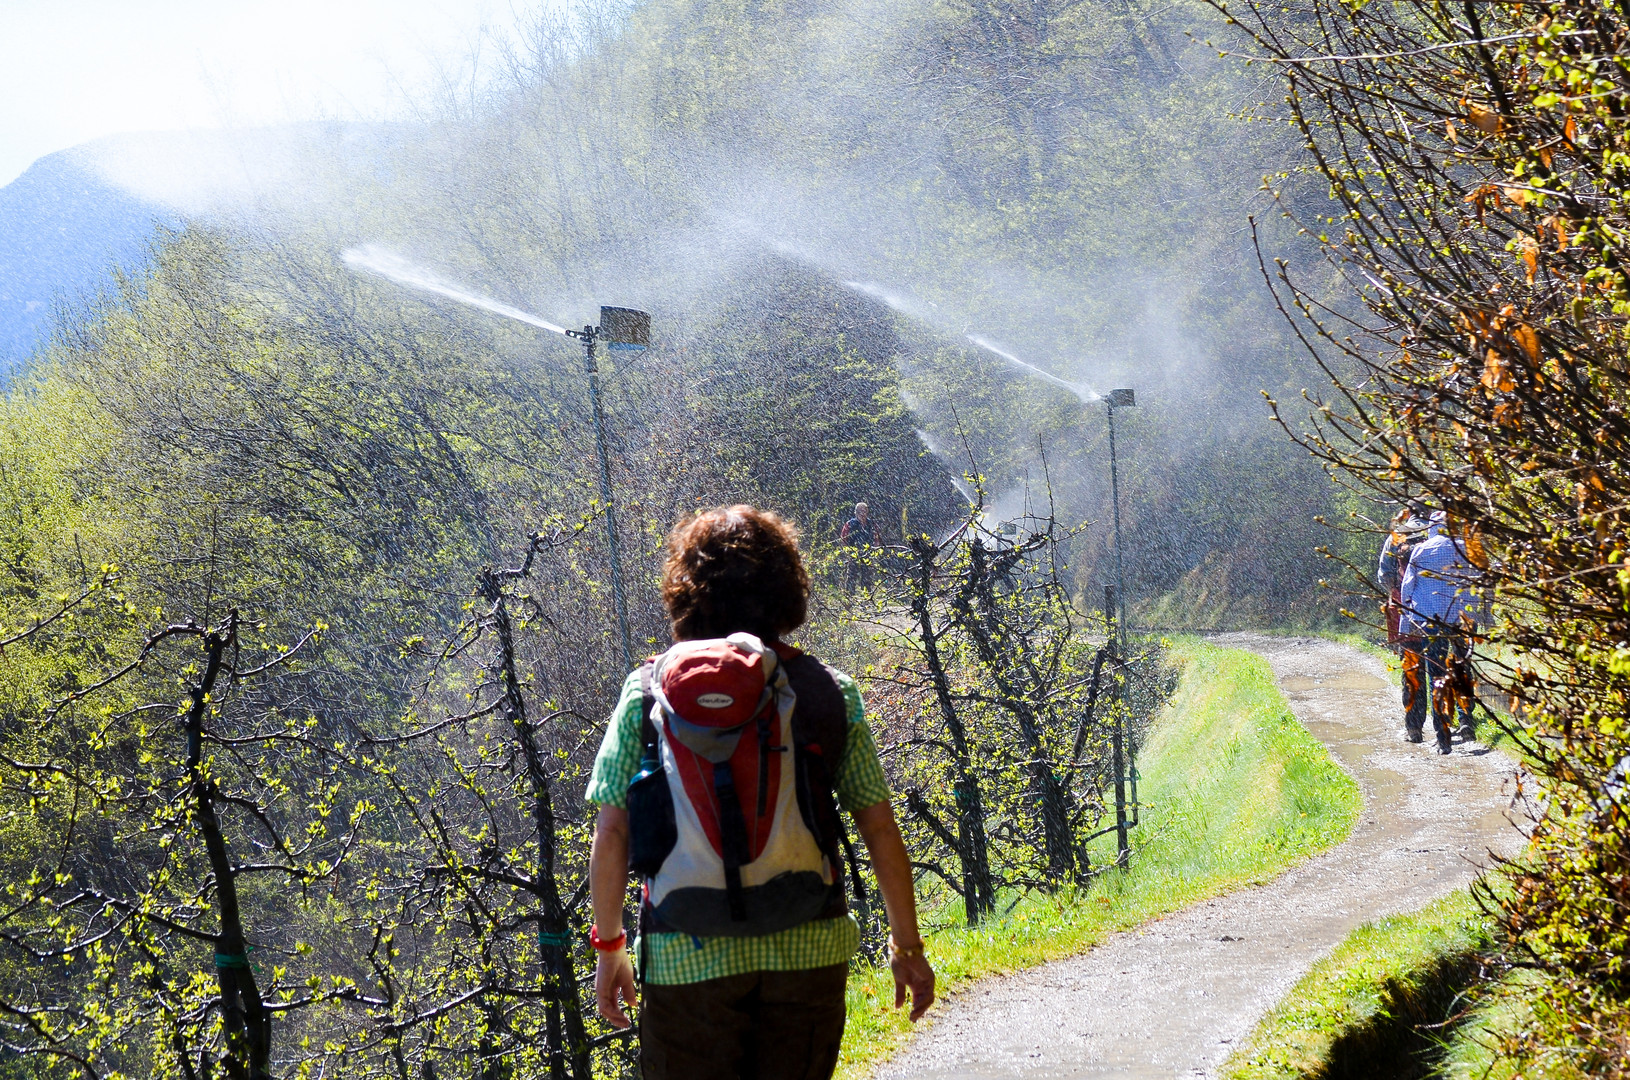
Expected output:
{"points": [[734, 568]]}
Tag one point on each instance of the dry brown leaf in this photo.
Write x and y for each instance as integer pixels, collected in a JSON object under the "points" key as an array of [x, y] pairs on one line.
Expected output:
{"points": [[1526, 337], [1530, 256], [1482, 197], [1560, 224], [1497, 373], [1476, 554], [1449, 131], [1484, 120]]}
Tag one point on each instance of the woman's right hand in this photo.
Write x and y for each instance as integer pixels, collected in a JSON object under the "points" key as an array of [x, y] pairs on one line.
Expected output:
{"points": [[613, 976]]}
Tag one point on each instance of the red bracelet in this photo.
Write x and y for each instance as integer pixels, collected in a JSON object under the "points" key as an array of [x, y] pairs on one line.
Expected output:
{"points": [[613, 945]]}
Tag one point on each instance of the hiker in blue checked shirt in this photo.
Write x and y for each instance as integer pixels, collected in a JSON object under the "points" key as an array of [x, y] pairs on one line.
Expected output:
{"points": [[719, 782]]}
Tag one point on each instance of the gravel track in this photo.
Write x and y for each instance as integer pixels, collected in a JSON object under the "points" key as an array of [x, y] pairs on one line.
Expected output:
{"points": [[1172, 998]]}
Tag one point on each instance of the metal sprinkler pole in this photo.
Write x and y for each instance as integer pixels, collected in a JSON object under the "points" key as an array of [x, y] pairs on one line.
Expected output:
{"points": [[588, 335], [1115, 499], [1126, 765], [1123, 850]]}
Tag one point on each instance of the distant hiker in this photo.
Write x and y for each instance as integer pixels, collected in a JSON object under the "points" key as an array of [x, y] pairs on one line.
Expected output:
{"points": [[718, 783], [857, 531], [1440, 605], [1408, 533], [857, 535]]}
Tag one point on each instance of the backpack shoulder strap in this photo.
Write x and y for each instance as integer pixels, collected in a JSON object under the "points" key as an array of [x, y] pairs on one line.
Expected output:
{"points": [[820, 722], [648, 731], [822, 716]]}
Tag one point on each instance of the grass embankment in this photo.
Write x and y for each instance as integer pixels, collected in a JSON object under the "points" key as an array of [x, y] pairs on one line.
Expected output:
{"points": [[1359, 1012], [1234, 790], [1410, 997]]}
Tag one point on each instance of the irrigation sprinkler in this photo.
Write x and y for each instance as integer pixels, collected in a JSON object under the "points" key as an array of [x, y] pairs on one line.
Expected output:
{"points": [[623, 330]]}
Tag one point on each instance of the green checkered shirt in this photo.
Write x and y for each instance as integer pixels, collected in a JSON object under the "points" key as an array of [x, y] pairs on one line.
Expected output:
{"points": [[672, 959]]}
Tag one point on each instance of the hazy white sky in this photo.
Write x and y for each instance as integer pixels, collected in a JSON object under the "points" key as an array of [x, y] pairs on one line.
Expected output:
{"points": [[74, 70]]}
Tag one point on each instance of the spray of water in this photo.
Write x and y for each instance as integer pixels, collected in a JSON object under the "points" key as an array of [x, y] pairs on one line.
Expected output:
{"points": [[377, 260], [913, 309], [1085, 393], [958, 481]]}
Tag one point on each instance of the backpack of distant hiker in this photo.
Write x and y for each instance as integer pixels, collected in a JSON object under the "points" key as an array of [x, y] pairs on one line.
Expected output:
{"points": [[733, 823], [1404, 545]]}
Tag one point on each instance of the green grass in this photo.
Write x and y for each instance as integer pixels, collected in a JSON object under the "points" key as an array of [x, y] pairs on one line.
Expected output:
{"points": [[1355, 1013], [1234, 790], [1470, 1054]]}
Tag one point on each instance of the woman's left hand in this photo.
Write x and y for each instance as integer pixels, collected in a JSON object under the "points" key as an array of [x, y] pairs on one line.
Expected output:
{"points": [[912, 973]]}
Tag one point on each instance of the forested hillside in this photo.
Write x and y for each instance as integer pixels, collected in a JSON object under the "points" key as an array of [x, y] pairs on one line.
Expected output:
{"points": [[1064, 178], [1067, 180]]}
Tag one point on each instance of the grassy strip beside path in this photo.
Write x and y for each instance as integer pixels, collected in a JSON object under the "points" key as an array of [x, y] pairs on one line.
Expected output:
{"points": [[1356, 1013], [1234, 791]]}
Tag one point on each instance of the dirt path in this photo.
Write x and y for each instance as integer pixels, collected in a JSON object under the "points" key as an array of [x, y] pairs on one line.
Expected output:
{"points": [[1171, 999]]}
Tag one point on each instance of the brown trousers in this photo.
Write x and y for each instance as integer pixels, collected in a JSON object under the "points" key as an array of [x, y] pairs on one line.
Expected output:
{"points": [[767, 1025]]}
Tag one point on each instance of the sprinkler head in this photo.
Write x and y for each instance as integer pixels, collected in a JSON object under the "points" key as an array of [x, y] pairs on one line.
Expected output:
{"points": [[1121, 398], [624, 329]]}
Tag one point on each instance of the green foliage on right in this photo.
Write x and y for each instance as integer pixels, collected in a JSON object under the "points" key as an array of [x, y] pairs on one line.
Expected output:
{"points": [[1481, 220]]}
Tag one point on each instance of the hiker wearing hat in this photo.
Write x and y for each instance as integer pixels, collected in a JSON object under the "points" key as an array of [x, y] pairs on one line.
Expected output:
{"points": [[1408, 533], [1440, 606], [719, 784]]}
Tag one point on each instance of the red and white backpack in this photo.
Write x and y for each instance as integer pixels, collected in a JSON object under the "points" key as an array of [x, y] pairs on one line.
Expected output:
{"points": [[733, 826]]}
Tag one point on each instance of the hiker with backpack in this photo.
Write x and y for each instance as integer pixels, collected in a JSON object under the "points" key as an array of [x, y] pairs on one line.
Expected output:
{"points": [[1408, 533], [719, 783], [1440, 608]]}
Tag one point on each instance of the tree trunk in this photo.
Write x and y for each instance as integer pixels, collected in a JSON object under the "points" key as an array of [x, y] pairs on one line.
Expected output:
{"points": [[248, 1022], [568, 1037], [979, 893]]}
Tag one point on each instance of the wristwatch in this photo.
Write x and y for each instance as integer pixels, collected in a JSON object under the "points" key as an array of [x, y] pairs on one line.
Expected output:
{"points": [[898, 952]]}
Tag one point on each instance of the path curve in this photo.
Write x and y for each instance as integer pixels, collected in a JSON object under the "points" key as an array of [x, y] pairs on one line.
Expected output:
{"points": [[1172, 998]]}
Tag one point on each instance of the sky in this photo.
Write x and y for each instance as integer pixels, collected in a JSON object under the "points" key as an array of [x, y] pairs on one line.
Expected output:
{"points": [[76, 70]]}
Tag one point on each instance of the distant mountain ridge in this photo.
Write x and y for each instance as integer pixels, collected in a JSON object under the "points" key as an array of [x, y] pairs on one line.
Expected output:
{"points": [[63, 227], [76, 214]]}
